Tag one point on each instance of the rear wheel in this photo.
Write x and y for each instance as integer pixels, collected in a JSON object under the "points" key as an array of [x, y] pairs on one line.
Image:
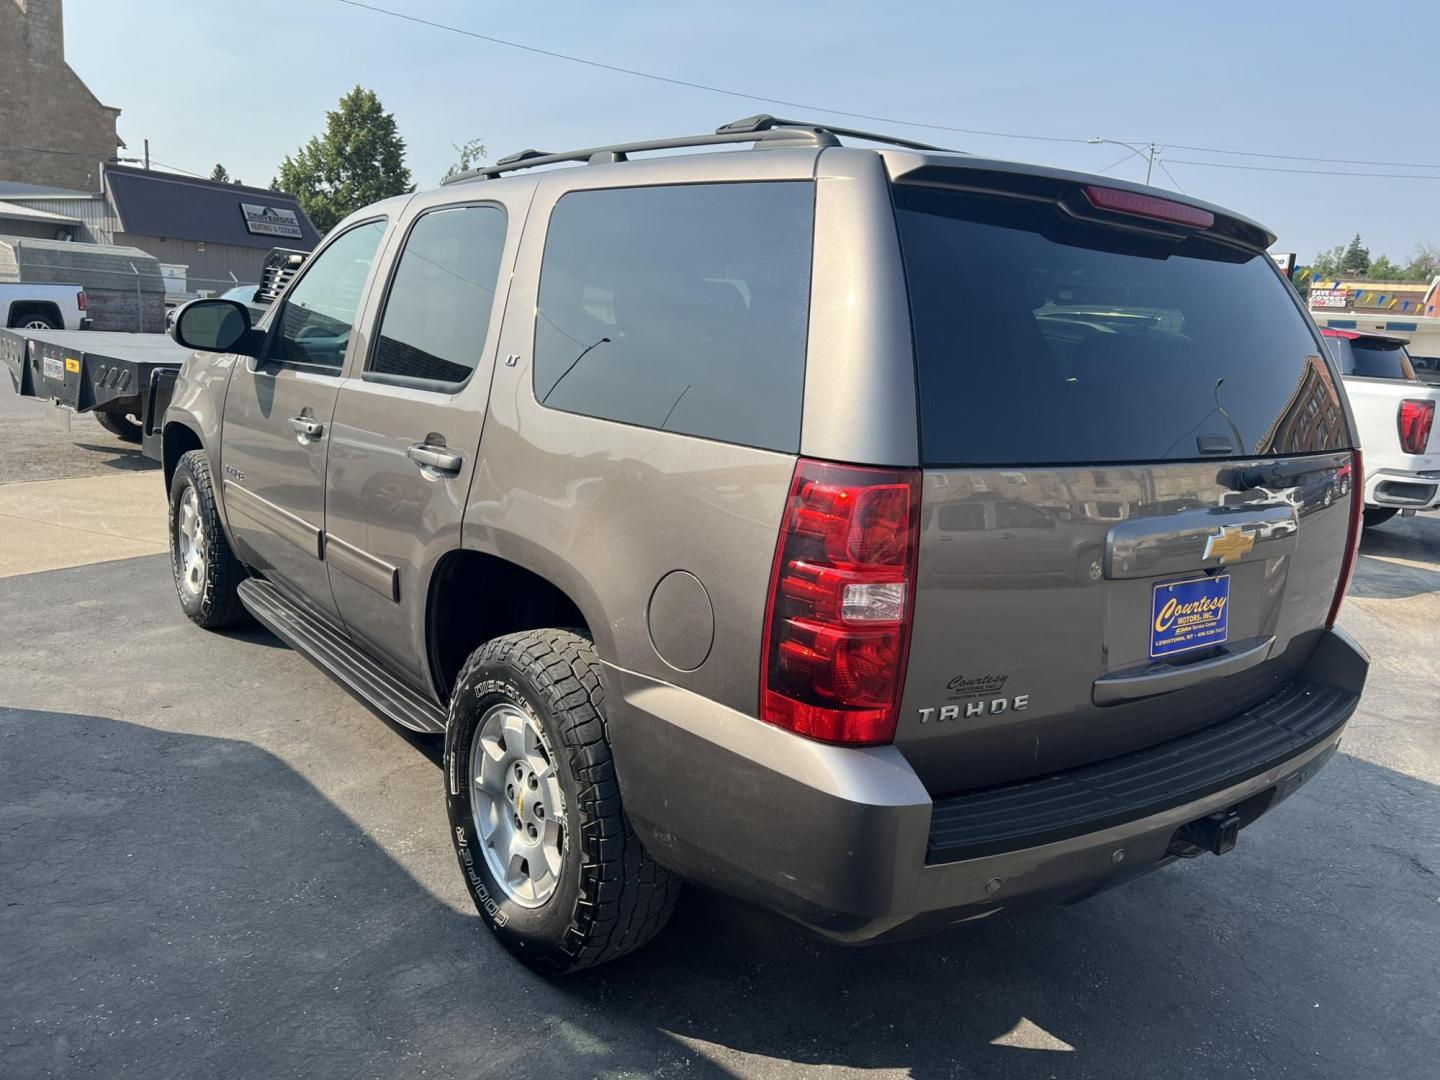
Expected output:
{"points": [[37, 322], [119, 425], [207, 574], [546, 851], [1378, 515]]}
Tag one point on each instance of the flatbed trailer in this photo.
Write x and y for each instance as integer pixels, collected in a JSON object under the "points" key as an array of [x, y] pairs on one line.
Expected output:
{"points": [[120, 376]]}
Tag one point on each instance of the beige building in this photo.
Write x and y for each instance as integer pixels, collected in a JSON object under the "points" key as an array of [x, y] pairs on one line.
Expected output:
{"points": [[53, 131]]}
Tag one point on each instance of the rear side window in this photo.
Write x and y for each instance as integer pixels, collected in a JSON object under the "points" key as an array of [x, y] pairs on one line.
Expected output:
{"points": [[1369, 358], [1040, 339], [680, 308], [437, 314]]}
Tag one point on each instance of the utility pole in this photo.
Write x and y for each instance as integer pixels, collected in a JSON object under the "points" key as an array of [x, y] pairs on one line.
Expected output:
{"points": [[1148, 154], [147, 158]]}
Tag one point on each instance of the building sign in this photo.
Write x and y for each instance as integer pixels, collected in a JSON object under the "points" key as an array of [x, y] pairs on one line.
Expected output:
{"points": [[1285, 260], [1329, 298], [271, 221]]}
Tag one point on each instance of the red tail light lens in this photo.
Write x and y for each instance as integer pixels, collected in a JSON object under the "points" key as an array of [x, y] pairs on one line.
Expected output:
{"points": [[1148, 206], [1416, 419], [80, 300], [1352, 540], [837, 620]]}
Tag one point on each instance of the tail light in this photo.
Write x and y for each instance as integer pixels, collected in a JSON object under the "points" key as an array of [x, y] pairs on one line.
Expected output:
{"points": [[838, 616], [1352, 539], [1416, 418], [80, 300]]}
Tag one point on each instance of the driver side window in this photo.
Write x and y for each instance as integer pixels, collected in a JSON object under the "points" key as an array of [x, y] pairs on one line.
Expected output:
{"points": [[319, 313]]}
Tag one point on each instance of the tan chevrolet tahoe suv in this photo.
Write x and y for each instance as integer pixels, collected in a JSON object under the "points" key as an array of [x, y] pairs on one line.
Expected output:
{"points": [[888, 536]]}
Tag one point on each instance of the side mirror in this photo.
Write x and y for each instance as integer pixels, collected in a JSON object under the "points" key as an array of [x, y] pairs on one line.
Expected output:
{"points": [[216, 326]]}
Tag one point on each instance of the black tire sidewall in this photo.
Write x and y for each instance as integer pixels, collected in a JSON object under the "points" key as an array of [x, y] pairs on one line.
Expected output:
{"points": [[197, 606], [529, 932]]}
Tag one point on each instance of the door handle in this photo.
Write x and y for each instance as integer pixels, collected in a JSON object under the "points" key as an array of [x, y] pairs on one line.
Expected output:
{"points": [[429, 456], [307, 428]]}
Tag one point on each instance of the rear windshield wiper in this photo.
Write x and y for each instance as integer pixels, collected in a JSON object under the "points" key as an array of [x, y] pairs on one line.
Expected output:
{"points": [[1275, 474]]}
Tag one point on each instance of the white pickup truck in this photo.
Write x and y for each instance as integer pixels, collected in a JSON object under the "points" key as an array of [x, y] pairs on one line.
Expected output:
{"points": [[27, 305], [1395, 415]]}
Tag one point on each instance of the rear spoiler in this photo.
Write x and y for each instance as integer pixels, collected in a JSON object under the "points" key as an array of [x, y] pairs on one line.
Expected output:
{"points": [[1059, 186], [281, 266]]}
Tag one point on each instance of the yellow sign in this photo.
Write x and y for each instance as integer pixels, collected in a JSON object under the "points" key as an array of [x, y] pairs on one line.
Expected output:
{"points": [[72, 365], [1229, 543]]}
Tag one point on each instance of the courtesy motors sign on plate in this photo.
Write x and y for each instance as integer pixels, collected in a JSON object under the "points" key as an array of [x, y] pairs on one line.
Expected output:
{"points": [[1188, 615]]}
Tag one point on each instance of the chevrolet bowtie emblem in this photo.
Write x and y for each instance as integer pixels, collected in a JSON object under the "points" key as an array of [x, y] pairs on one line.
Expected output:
{"points": [[1229, 543]]}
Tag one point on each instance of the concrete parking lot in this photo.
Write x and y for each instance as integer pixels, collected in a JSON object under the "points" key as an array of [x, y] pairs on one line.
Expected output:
{"points": [[213, 862]]}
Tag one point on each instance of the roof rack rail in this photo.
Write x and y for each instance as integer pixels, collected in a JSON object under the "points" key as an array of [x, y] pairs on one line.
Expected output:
{"points": [[756, 129], [530, 159], [765, 122]]}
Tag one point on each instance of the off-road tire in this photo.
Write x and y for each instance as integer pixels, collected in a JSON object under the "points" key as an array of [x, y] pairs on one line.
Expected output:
{"points": [[217, 605], [610, 897], [1378, 515], [120, 425]]}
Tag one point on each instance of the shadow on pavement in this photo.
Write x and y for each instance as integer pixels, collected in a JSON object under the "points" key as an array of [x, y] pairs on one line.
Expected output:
{"points": [[124, 457], [183, 905]]}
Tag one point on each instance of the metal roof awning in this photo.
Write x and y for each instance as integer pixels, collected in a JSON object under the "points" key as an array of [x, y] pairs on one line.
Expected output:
{"points": [[15, 212]]}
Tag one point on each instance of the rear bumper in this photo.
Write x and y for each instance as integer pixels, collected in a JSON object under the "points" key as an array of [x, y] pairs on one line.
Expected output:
{"points": [[1403, 490], [849, 842]]}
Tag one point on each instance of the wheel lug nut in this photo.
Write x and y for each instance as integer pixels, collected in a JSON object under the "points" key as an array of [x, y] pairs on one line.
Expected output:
{"points": [[516, 819], [510, 791], [519, 770], [533, 782], [539, 810], [532, 832]]}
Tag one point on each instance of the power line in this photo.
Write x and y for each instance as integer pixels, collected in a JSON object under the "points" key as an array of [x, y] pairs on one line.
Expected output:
{"points": [[1301, 157], [1301, 172], [701, 86]]}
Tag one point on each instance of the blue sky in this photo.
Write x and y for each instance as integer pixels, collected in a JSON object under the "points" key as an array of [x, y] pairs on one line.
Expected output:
{"points": [[245, 84]]}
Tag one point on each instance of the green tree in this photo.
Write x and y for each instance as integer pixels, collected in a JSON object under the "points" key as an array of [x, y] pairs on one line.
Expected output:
{"points": [[1327, 264], [222, 174], [1357, 258], [1424, 263], [359, 159], [470, 154], [1382, 269]]}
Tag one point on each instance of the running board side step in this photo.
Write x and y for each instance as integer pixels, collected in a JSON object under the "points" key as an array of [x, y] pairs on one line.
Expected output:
{"points": [[329, 650]]}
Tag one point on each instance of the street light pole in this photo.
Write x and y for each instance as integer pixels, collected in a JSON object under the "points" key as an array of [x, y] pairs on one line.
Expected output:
{"points": [[1147, 155]]}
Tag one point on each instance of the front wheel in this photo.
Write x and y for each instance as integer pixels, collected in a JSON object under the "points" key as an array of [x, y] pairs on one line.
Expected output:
{"points": [[1378, 515], [207, 574], [544, 846]]}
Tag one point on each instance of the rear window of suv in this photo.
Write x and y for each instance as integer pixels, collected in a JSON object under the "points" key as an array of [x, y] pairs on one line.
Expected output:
{"points": [[1371, 358], [681, 308], [1040, 339]]}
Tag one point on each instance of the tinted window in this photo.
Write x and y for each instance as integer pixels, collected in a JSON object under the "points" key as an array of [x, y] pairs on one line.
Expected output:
{"points": [[679, 308], [1041, 339], [1380, 360], [438, 312], [320, 311]]}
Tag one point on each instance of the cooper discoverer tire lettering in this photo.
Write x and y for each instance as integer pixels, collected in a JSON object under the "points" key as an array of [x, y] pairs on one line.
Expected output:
{"points": [[527, 723]]}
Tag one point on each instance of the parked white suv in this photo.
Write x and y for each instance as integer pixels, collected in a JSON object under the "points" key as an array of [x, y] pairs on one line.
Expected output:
{"points": [[1395, 414], [29, 306]]}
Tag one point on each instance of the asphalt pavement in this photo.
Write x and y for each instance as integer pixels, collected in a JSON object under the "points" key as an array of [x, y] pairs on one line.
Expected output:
{"points": [[213, 862]]}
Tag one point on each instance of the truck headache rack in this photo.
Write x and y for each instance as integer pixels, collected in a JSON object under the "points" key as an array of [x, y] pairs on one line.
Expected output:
{"points": [[761, 128], [281, 265]]}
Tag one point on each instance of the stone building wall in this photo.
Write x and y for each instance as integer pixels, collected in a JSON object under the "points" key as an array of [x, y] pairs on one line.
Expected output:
{"points": [[53, 130]]}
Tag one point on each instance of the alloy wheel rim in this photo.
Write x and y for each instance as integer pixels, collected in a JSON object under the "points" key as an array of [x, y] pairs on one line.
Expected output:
{"points": [[517, 804], [190, 535]]}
